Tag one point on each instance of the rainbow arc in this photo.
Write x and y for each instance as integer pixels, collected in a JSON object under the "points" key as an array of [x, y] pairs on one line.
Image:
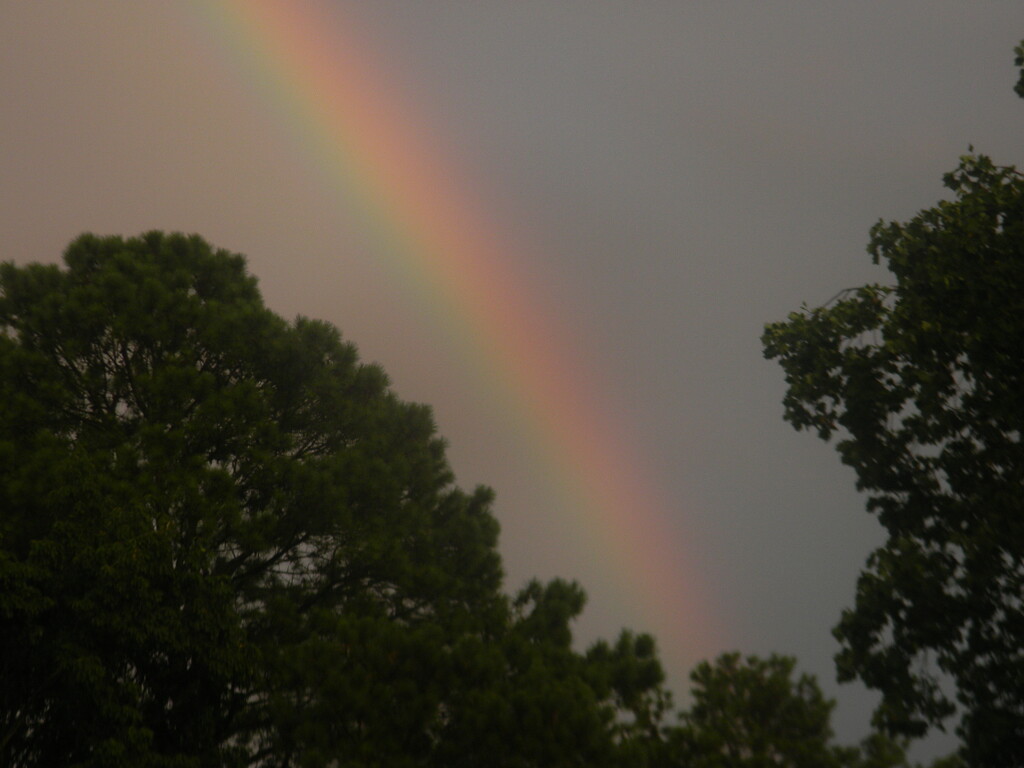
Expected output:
{"points": [[322, 74]]}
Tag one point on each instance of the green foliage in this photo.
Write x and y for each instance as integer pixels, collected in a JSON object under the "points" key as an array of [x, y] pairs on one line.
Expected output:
{"points": [[752, 713], [923, 382], [877, 750], [225, 542]]}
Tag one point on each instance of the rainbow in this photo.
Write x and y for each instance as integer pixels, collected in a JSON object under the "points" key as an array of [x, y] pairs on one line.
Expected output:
{"points": [[315, 67]]}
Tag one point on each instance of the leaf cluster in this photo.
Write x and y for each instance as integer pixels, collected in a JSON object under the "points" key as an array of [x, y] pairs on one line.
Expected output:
{"points": [[923, 382]]}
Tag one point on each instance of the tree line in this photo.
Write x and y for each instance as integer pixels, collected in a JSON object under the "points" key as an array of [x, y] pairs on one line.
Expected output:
{"points": [[224, 541]]}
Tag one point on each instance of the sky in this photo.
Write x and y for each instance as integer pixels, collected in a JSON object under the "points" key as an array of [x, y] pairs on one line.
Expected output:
{"points": [[563, 225]]}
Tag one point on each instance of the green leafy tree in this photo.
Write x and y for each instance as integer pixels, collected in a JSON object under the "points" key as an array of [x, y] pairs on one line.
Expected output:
{"points": [[877, 750], [213, 519], [751, 713], [923, 382], [547, 705], [225, 542]]}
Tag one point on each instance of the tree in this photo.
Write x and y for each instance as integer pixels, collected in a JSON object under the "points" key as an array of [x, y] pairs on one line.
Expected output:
{"points": [[224, 541], [877, 750], [754, 713], [552, 706], [923, 380], [199, 498], [751, 713], [627, 677]]}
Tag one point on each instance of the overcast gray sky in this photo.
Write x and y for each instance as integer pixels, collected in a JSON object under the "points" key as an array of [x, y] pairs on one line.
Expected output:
{"points": [[683, 173]]}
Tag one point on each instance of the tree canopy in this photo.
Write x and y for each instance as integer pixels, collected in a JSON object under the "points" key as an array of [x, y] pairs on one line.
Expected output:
{"points": [[750, 712], [922, 380], [225, 541], [756, 712]]}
